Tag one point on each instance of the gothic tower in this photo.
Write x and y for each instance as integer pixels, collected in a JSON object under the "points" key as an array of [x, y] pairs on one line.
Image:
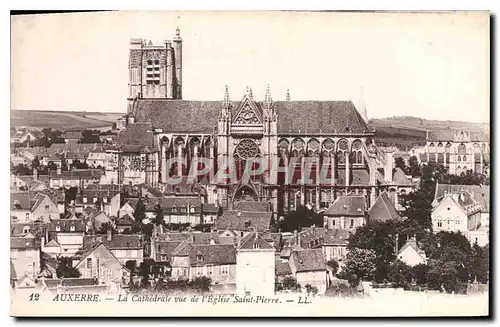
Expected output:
{"points": [[155, 71]]}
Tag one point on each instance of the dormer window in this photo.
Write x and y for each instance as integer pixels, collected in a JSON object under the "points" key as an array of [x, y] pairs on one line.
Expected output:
{"points": [[84, 199], [247, 224], [72, 228], [105, 200], [58, 228], [199, 257], [26, 229], [191, 209], [94, 199]]}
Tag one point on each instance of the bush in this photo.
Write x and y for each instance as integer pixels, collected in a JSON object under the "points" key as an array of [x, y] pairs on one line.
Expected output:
{"points": [[341, 289], [311, 290], [288, 283]]}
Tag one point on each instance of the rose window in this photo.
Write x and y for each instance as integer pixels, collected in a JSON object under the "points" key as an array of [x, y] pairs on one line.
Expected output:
{"points": [[247, 149]]}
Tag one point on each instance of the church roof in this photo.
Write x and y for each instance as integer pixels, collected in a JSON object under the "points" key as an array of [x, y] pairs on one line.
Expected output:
{"points": [[383, 209], [293, 116]]}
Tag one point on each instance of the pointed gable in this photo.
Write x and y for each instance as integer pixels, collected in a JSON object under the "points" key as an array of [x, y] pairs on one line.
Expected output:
{"points": [[383, 209], [248, 113]]}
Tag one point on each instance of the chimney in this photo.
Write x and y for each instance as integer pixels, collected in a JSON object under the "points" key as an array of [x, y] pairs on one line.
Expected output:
{"points": [[59, 170], [109, 235], [296, 236], [35, 174], [389, 165]]}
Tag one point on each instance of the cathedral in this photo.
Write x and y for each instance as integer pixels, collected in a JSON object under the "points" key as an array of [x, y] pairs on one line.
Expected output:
{"points": [[311, 135]]}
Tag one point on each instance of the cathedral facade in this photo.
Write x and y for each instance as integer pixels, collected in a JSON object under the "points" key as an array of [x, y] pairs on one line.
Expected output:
{"points": [[315, 151]]}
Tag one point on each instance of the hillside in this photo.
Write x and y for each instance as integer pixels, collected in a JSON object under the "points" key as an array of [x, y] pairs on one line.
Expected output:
{"points": [[406, 132], [62, 120]]}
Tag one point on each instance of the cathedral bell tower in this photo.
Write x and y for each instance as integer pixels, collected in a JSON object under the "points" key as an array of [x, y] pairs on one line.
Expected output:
{"points": [[155, 71]]}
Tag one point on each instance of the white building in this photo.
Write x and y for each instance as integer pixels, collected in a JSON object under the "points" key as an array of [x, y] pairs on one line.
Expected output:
{"points": [[255, 266], [411, 254]]}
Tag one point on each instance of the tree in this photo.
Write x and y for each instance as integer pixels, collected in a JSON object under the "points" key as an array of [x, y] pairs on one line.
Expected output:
{"points": [[334, 265], [479, 267], [400, 163], [311, 290], [201, 284], [103, 229], [65, 269], [399, 273], [288, 283], [419, 274], [302, 217], [35, 163], [140, 215], [90, 136], [360, 262], [159, 217], [413, 167]]}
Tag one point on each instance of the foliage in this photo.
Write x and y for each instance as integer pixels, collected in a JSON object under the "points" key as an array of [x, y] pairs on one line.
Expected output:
{"points": [[203, 227], [334, 265], [145, 269], [399, 273], [443, 275], [21, 169], [480, 263], [159, 217], [76, 164], [341, 289], [287, 283], [400, 163], [302, 217], [103, 229], [311, 290], [360, 262], [419, 274], [65, 268], [90, 136], [140, 215], [414, 167], [178, 227]]}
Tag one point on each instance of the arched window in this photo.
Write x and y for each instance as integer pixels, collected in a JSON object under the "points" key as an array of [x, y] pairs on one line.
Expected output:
{"points": [[462, 149], [341, 150], [459, 158], [458, 170], [464, 158], [464, 169], [357, 152], [283, 147], [312, 148], [26, 229]]}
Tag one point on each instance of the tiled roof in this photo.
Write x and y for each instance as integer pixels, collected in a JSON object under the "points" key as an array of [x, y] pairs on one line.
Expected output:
{"points": [[448, 136], [217, 254], [65, 225], [282, 268], [168, 204], [252, 206], [24, 243], [125, 220], [165, 248], [72, 135], [137, 137], [400, 178], [413, 244], [17, 229], [253, 241], [210, 208], [480, 193], [347, 205], [244, 221], [184, 186], [308, 260], [77, 174], [21, 199], [293, 116], [52, 244], [195, 238], [383, 209], [118, 241], [13, 274], [322, 235]]}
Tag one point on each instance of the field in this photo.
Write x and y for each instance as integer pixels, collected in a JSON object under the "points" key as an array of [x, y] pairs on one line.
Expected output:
{"points": [[62, 120]]}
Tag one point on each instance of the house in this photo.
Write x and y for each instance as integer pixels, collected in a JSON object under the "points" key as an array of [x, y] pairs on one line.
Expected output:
{"points": [[53, 249], [25, 255], [217, 261], [32, 183], [255, 266], [480, 193], [162, 244], [67, 233], [80, 178], [38, 229], [333, 242], [383, 209], [243, 222], [347, 212], [210, 212], [309, 268], [97, 219], [103, 197], [24, 135], [48, 266], [175, 210], [124, 223], [99, 262], [32, 206], [411, 254], [124, 247], [457, 212], [97, 157]]}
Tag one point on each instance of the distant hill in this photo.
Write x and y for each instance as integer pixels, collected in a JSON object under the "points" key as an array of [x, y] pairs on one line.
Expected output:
{"points": [[62, 120], [406, 132]]}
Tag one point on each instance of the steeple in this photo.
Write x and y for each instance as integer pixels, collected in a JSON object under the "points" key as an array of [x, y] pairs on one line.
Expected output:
{"points": [[362, 106], [287, 97], [227, 100], [268, 100], [249, 92], [177, 34]]}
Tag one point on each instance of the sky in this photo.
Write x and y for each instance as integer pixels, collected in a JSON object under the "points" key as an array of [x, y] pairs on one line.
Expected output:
{"points": [[432, 66]]}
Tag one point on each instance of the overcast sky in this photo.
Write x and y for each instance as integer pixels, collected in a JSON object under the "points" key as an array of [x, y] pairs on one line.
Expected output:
{"points": [[433, 66]]}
